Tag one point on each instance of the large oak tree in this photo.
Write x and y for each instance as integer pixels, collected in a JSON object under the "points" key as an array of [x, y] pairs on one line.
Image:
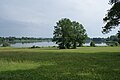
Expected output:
{"points": [[68, 34]]}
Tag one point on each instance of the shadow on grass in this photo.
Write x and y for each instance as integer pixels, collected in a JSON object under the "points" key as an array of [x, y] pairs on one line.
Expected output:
{"points": [[60, 66]]}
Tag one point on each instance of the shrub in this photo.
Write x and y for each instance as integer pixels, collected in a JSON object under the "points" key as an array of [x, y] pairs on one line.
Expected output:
{"points": [[92, 44], [5, 44], [116, 44], [35, 46]]}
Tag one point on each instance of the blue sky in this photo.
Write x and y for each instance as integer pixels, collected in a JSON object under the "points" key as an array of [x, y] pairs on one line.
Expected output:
{"points": [[37, 18]]}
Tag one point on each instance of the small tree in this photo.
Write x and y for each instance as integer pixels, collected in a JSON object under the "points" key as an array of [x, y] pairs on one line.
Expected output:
{"points": [[116, 44], [92, 44], [5, 44]]}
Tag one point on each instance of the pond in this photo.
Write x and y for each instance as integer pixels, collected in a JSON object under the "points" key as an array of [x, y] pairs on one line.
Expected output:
{"points": [[40, 44], [46, 44]]}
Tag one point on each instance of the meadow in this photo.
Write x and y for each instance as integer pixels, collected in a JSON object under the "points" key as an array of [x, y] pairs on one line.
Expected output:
{"points": [[85, 63]]}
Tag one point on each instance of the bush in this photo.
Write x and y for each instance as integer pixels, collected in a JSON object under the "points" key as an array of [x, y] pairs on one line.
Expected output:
{"points": [[35, 46], [116, 44], [92, 44], [5, 44]]}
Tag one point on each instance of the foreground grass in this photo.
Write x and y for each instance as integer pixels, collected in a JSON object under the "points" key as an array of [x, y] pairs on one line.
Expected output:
{"points": [[86, 63]]}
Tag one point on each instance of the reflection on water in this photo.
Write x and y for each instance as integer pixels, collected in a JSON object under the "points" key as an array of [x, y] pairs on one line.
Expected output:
{"points": [[97, 44], [40, 44], [46, 44]]}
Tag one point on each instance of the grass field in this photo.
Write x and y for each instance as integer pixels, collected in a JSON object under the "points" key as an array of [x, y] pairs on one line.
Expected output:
{"points": [[85, 63]]}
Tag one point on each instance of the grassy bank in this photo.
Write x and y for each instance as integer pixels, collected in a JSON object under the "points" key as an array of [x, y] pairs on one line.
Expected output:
{"points": [[86, 63]]}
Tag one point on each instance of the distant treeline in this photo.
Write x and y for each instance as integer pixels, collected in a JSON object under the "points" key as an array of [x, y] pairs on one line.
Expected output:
{"points": [[96, 40], [23, 39], [32, 39], [112, 38]]}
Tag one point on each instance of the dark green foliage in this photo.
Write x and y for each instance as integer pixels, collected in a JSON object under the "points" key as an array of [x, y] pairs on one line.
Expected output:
{"points": [[116, 44], [114, 38], [5, 44], [68, 34], [113, 1], [112, 18], [112, 43], [118, 35], [35, 46], [92, 44], [98, 40]]}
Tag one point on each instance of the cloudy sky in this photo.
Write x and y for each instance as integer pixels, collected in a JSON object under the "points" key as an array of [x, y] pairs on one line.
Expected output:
{"points": [[36, 18]]}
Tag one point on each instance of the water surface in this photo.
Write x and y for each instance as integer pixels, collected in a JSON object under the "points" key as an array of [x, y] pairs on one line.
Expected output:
{"points": [[46, 44]]}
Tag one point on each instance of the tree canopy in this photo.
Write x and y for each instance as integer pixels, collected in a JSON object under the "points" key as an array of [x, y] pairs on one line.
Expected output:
{"points": [[68, 34], [112, 18], [113, 1]]}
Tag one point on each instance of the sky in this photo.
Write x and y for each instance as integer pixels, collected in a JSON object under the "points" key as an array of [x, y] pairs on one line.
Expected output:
{"points": [[37, 18]]}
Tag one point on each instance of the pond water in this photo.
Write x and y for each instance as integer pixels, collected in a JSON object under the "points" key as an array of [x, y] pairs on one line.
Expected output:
{"points": [[40, 44], [46, 44], [97, 44]]}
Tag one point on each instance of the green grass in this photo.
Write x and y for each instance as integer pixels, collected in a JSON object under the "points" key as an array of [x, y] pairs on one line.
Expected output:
{"points": [[85, 63]]}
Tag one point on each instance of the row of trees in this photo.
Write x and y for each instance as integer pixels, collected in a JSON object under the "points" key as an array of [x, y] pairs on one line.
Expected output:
{"points": [[69, 34], [15, 39], [113, 38]]}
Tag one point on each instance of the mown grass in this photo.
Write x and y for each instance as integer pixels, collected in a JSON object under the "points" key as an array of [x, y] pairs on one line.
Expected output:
{"points": [[85, 63]]}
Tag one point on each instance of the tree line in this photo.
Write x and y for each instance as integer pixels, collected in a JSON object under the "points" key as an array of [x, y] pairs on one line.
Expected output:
{"points": [[23, 39]]}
